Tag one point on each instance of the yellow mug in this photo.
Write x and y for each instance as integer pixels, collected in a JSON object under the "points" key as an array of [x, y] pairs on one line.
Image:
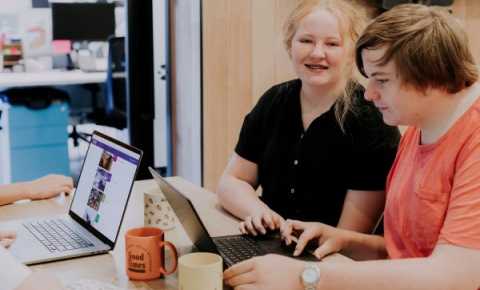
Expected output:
{"points": [[200, 271]]}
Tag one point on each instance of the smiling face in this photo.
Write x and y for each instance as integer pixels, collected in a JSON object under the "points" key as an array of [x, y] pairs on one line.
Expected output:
{"points": [[400, 104], [318, 50]]}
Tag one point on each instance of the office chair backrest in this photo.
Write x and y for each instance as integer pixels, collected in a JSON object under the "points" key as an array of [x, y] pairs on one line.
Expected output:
{"points": [[116, 100]]}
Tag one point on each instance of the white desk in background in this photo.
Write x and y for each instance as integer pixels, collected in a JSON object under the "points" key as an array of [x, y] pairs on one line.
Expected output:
{"points": [[37, 125], [50, 78]]}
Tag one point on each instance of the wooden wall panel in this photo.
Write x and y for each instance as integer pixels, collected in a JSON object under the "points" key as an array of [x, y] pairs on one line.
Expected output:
{"points": [[227, 78], [469, 12], [186, 89], [263, 38], [283, 68], [243, 55], [271, 62]]}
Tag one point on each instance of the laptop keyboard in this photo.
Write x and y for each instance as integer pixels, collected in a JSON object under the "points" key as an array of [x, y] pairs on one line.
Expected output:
{"points": [[238, 248], [56, 235]]}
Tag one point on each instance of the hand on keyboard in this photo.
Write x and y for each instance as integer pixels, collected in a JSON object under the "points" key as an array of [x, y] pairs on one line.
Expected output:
{"points": [[261, 221], [48, 186], [290, 248], [7, 238]]}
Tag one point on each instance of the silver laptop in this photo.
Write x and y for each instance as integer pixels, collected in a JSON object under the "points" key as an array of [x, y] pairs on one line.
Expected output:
{"points": [[96, 212], [232, 248]]}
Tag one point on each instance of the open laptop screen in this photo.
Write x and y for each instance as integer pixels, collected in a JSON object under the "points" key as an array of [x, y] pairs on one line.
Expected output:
{"points": [[187, 215], [104, 185]]}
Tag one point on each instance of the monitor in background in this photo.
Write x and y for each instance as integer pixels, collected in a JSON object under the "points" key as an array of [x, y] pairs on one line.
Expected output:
{"points": [[83, 21]]}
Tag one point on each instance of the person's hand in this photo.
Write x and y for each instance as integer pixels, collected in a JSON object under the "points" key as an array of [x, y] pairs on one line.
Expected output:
{"points": [[330, 239], [262, 219], [270, 272], [7, 238], [48, 186]]}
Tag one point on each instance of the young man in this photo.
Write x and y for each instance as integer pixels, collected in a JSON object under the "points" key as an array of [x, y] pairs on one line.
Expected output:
{"points": [[421, 74]]}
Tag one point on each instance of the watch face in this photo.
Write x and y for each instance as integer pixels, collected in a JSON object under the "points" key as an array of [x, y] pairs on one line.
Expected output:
{"points": [[309, 275]]}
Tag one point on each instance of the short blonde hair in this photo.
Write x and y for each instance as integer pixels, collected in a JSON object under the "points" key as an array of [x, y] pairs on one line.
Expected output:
{"points": [[351, 19], [428, 46]]}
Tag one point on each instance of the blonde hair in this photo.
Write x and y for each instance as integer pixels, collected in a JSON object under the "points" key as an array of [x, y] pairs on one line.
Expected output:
{"points": [[352, 19], [427, 45]]}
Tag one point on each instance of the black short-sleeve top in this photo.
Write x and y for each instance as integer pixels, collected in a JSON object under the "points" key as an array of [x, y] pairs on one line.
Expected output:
{"points": [[305, 174]]}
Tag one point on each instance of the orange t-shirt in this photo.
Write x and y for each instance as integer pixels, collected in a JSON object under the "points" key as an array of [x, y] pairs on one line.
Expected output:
{"points": [[433, 191]]}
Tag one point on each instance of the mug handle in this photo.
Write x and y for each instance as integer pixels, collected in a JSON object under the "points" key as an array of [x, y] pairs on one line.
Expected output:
{"points": [[174, 251]]}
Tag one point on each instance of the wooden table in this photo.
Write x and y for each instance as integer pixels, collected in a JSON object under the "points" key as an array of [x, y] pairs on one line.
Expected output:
{"points": [[110, 267]]}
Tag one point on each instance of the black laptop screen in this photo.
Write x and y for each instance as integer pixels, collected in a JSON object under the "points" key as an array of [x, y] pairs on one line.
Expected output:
{"points": [[187, 215]]}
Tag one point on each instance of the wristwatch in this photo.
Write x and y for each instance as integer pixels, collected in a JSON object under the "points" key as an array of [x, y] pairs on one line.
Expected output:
{"points": [[310, 276]]}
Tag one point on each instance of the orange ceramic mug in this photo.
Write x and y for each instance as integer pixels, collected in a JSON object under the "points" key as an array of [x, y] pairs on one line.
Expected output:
{"points": [[145, 253]]}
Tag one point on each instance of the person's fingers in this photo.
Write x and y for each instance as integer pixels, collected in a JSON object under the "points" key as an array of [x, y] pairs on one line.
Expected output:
{"points": [[249, 226], [241, 279], [246, 287], [6, 242], [241, 226], [303, 239], [258, 224], [268, 220], [8, 234], [294, 228], [66, 189], [239, 268], [71, 191], [298, 225], [286, 232], [278, 220], [69, 182], [283, 228], [327, 248]]}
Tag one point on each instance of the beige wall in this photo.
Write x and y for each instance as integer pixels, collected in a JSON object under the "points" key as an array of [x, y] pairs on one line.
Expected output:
{"points": [[186, 89], [469, 12], [243, 55]]}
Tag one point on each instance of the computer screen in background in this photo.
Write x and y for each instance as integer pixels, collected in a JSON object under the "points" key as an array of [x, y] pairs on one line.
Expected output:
{"points": [[104, 185], [83, 21]]}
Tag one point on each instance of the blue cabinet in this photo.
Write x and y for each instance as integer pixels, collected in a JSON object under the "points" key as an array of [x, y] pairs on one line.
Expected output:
{"points": [[36, 142]]}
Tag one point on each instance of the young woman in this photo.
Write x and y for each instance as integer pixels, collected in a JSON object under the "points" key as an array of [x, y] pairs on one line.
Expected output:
{"points": [[316, 148], [422, 74]]}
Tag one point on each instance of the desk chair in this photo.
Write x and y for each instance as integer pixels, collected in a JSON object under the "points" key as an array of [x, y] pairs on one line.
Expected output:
{"points": [[116, 96], [83, 100], [112, 113]]}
